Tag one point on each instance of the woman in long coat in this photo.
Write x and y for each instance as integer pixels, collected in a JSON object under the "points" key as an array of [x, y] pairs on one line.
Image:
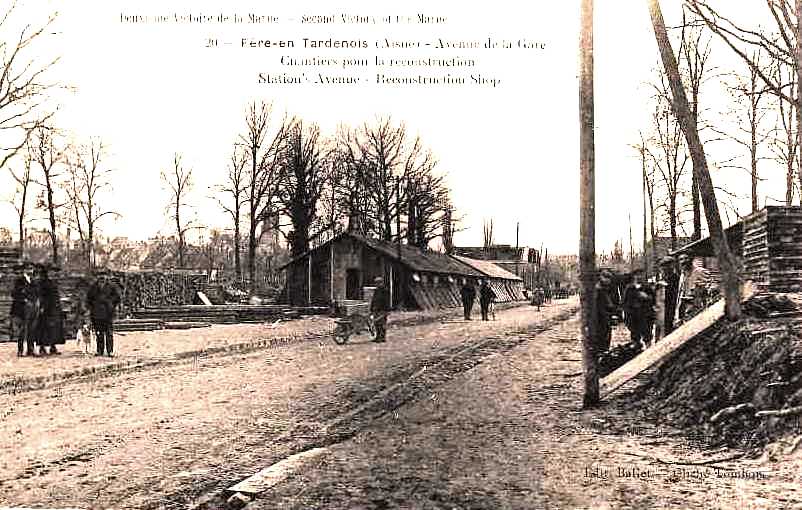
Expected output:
{"points": [[51, 330]]}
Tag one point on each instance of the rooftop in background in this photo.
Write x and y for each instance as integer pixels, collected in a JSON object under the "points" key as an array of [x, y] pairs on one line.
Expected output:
{"points": [[488, 268], [495, 252], [425, 261]]}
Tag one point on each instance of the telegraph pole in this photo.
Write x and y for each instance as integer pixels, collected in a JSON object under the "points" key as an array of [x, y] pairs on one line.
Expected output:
{"points": [[587, 205]]}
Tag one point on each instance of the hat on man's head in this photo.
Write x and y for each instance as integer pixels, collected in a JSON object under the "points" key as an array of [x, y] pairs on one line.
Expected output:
{"points": [[666, 260], [378, 279]]}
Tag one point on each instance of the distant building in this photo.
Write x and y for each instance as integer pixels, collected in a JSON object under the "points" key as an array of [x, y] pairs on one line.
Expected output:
{"points": [[523, 262]]}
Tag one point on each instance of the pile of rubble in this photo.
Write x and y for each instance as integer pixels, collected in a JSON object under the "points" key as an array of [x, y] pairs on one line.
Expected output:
{"points": [[738, 384]]}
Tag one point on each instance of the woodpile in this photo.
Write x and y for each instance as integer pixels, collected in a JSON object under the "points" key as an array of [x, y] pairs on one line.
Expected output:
{"points": [[125, 325], [148, 289], [9, 257], [772, 248], [150, 300], [225, 314]]}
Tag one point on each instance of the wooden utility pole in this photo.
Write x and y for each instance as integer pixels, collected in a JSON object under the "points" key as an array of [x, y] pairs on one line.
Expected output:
{"points": [[730, 281], [631, 245], [587, 205], [518, 255], [642, 151], [798, 53]]}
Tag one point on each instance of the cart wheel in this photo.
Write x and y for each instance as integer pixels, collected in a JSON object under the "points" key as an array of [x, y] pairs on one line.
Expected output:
{"points": [[340, 335]]}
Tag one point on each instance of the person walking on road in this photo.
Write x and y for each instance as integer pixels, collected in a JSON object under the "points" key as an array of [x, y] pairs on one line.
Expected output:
{"points": [[102, 300], [486, 297], [380, 307], [468, 293]]}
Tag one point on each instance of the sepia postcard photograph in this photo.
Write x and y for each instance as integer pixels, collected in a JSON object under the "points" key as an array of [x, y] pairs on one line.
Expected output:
{"points": [[400, 255]]}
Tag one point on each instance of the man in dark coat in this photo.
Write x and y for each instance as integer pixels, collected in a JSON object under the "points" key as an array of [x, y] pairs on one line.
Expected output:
{"points": [[671, 277], [23, 296], [468, 293], [102, 299], [486, 297], [51, 330], [638, 304], [605, 308], [379, 307]]}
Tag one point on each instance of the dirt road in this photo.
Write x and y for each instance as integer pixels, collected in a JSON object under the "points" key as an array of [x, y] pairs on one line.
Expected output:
{"points": [[454, 415]]}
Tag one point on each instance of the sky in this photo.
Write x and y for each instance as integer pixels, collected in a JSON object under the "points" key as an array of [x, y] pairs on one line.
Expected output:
{"points": [[510, 152]]}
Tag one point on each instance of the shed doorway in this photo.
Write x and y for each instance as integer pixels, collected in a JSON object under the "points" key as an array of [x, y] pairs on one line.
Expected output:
{"points": [[353, 284]]}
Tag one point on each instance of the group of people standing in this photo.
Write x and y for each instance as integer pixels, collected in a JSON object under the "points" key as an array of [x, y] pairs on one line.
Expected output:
{"points": [[36, 314], [486, 298], [37, 317], [650, 309]]}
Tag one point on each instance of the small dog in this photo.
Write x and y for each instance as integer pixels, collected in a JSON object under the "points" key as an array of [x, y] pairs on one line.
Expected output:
{"points": [[84, 337]]}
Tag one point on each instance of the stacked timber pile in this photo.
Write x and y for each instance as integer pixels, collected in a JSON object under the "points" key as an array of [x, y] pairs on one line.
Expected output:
{"points": [[147, 289], [72, 289], [737, 384], [348, 307], [138, 325], [772, 248], [224, 314], [8, 258]]}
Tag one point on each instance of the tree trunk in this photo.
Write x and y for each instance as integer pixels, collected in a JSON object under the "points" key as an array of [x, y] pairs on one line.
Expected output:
{"points": [[23, 202], [52, 218], [798, 52], [697, 213], [729, 278], [753, 146], [651, 227], [587, 226], [237, 262], [672, 219], [252, 256], [646, 265], [695, 199], [799, 90]]}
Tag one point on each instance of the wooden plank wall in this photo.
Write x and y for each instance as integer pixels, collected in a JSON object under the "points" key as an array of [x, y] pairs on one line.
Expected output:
{"points": [[772, 248], [784, 242], [755, 248]]}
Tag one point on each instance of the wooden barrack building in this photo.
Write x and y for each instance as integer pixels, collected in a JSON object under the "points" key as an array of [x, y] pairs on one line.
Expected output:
{"points": [[344, 268]]}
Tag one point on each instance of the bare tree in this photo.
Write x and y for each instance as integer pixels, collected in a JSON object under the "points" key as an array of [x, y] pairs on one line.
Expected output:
{"points": [[694, 53], [782, 45], [649, 191], [302, 181], [234, 189], [179, 183], [785, 144], [729, 276], [376, 156], [48, 153], [262, 175], [87, 180], [749, 112], [23, 90], [669, 154], [23, 180], [487, 234]]}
